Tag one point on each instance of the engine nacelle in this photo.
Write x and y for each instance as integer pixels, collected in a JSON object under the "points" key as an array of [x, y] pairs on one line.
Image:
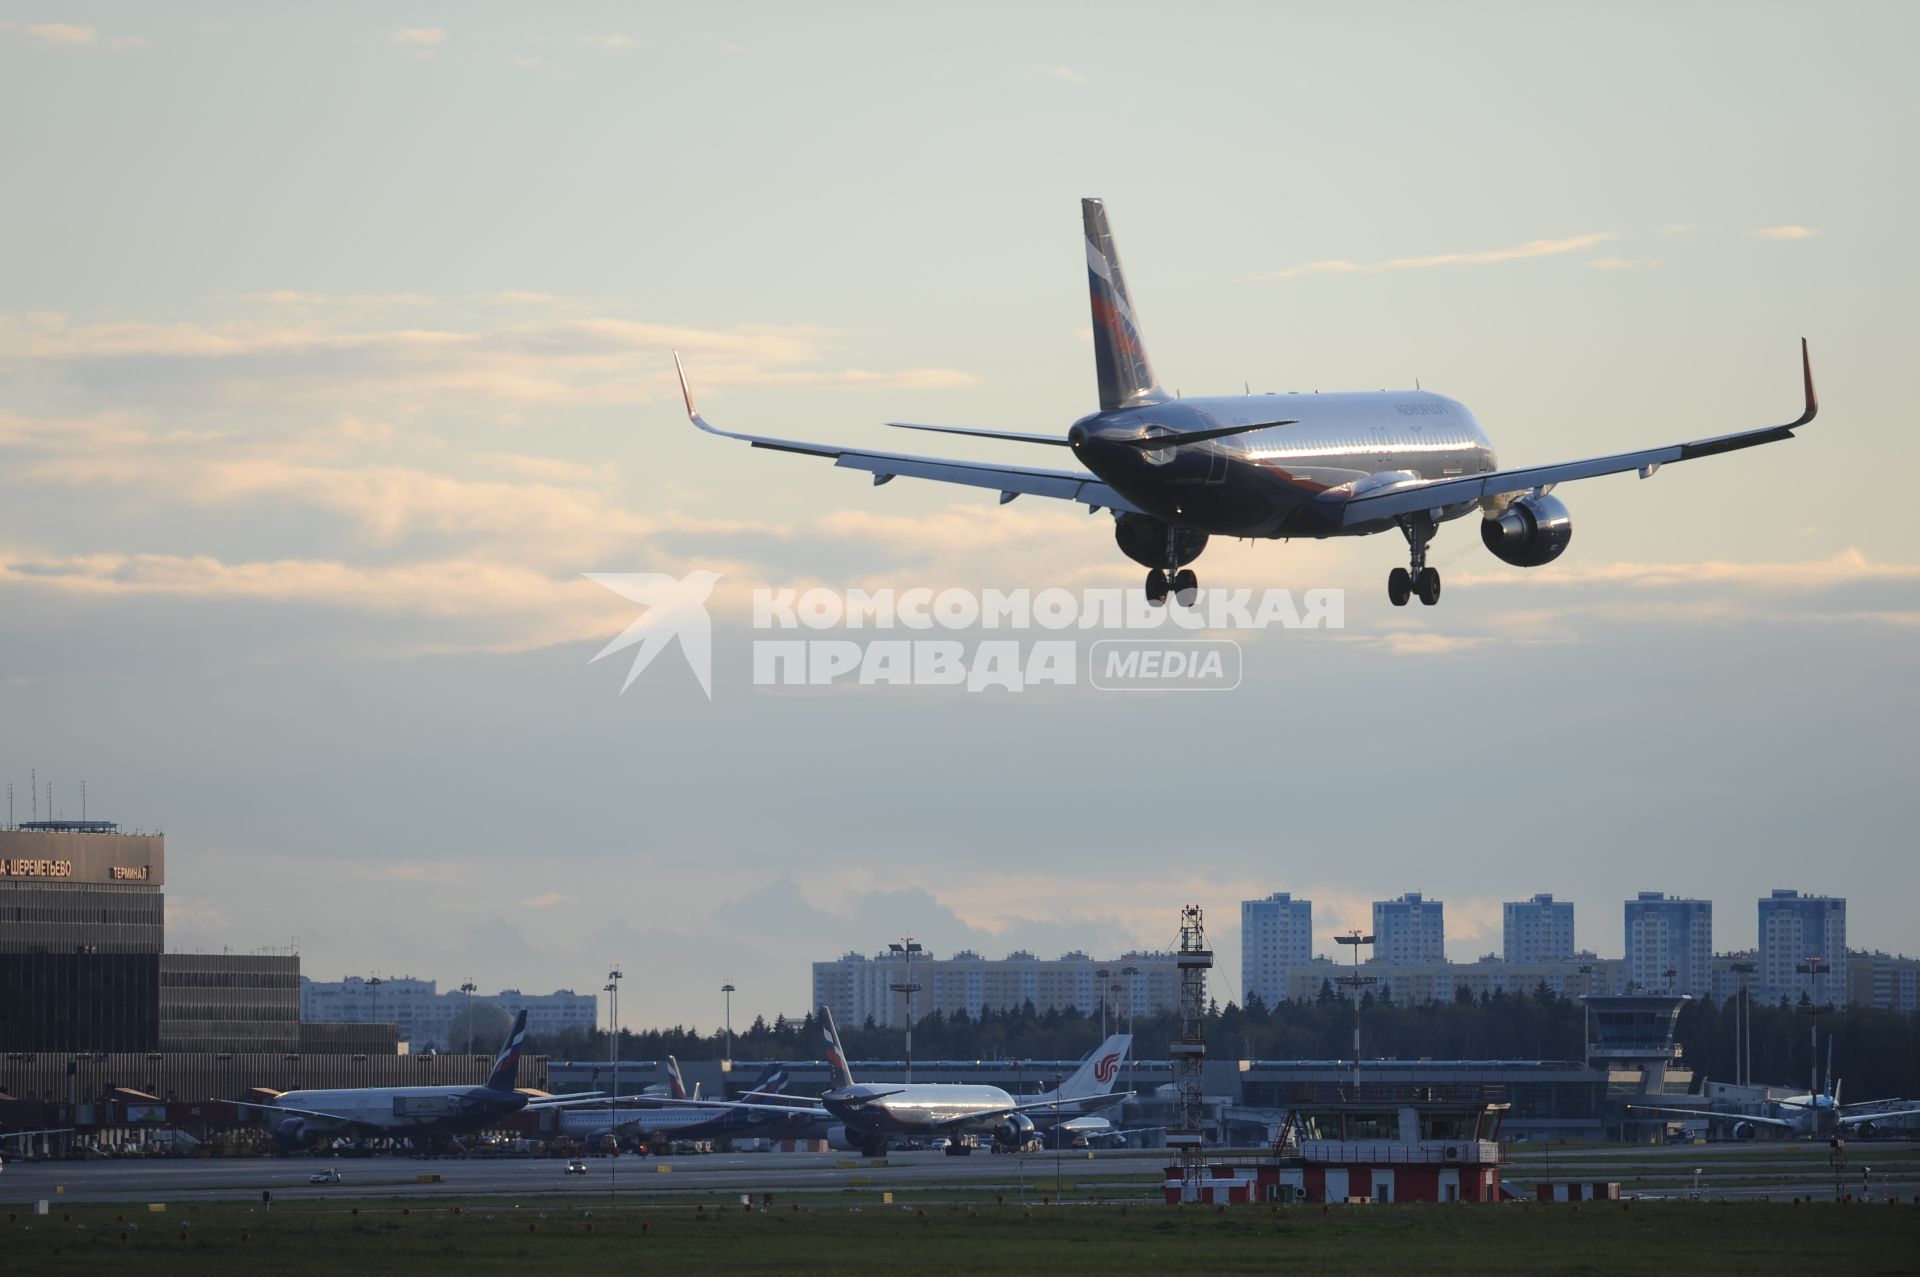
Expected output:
{"points": [[1743, 1130], [1014, 1131], [294, 1133], [1143, 539], [1531, 531], [1866, 1130], [839, 1140]]}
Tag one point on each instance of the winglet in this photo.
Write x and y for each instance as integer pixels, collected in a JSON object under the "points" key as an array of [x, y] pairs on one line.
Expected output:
{"points": [[1806, 372], [686, 393]]}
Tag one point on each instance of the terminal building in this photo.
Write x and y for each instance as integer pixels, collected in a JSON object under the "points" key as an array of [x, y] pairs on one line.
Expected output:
{"points": [[101, 1028]]}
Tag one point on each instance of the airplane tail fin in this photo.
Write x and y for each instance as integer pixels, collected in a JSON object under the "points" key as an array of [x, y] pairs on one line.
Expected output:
{"points": [[772, 1080], [506, 1065], [676, 1085], [1098, 1072], [836, 1055], [1126, 378]]}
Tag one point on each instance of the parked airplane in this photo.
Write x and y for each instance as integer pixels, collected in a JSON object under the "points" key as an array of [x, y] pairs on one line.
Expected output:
{"points": [[865, 1118], [684, 1117], [1817, 1114], [1175, 471], [417, 1113]]}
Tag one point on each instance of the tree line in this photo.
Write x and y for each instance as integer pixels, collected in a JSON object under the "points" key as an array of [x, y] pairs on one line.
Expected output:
{"points": [[1876, 1053]]}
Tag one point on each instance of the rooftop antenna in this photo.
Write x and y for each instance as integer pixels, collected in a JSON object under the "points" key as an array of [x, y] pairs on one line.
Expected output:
{"points": [[33, 783], [9, 804]]}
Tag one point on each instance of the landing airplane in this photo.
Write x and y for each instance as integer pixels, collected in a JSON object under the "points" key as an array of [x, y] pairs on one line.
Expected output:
{"points": [[1817, 1114], [417, 1113], [1175, 471]]}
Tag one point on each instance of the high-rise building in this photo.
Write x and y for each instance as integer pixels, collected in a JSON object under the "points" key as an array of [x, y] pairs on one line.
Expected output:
{"points": [[1409, 929], [1803, 931], [427, 1017], [1537, 930], [1275, 934], [1669, 944], [857, 988]]}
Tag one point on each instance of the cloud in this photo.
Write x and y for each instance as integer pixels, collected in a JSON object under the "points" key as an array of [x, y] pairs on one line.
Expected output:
{"points": [[1785, 232], [613, 43], [1518, 252], [1065, 75], [1623, 263], [290, 346], [424, 39], [62, 33], [546, 901]]}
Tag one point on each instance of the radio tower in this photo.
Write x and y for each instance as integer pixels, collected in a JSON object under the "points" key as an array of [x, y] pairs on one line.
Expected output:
{"points": [[1189, 1052]]}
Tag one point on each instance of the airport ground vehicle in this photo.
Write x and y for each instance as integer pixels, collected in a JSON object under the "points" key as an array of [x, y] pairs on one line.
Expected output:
{"points": [[329, 1176], [575, 1167]]}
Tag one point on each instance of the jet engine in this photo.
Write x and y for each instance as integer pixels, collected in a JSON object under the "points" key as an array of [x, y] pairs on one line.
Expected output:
{"points": [[1143, 539], [294, 1134], [1866, 1130], [1014, 1132], [1743, 1130], [839, 1140], [1531, 531]]}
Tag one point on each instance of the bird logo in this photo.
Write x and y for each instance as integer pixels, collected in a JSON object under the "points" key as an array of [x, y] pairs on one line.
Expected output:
{"points": [[676, 609]]}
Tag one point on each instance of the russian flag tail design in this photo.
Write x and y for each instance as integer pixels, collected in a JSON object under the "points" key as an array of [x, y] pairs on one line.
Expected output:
{"points": [[506, 1065], [1126, 378]]}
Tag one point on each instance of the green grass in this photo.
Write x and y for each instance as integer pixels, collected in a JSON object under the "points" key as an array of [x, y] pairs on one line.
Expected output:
{"points": [[492, 1237]]}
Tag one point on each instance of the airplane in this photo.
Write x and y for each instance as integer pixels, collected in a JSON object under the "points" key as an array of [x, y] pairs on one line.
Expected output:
{"points": [[415, 1113], [683, 1117], [1174, 472], [865, 1118], [1817, 1114]]}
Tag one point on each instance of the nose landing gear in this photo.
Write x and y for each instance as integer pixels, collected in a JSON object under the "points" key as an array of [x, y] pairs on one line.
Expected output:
{"points": [[1417, 578]]}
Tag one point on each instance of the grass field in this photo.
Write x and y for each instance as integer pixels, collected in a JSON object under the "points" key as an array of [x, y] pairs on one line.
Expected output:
{"points": [[494, 1237]]}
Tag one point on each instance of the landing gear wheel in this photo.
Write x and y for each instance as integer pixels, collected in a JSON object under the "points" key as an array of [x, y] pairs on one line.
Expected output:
{"points": [[1157, 588], [1428, 586], [1186, 587], [1399, 587]]}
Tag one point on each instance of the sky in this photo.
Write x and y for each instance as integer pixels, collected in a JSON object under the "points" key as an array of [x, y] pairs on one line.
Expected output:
{"points": [[335, 350]]}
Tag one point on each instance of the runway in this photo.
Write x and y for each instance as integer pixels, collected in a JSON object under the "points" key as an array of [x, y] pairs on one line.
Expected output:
{"points": [[234, 1179], [1732, 1171]]}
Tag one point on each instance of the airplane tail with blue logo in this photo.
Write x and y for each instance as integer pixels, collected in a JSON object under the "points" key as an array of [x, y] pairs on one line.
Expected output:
{"points": [[836, 1055], [772, 1080], [676, 1085], [1120, 358], [506, 1065]]}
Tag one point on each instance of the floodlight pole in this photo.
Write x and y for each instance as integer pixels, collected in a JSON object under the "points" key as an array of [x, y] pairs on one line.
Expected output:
{"points": [[1743, 1024], [906, 948], [727, 989], [613, 1096], [1356, 938], [468, 989]]}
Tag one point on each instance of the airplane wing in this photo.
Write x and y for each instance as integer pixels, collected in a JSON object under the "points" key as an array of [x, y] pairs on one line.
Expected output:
{"points": [[293, 1112], [1856, 1119], [1711, 1115], [1439, 493], [47, 1130], [565, 1101], [1008, 481]]}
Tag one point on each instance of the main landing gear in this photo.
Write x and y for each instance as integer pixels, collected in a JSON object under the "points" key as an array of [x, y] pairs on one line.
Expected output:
{"points": [[1418, 578], [1181, 583]]}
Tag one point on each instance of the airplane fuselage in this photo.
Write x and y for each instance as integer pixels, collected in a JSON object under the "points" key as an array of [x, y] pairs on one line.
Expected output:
{"points": [[1288, 480], [402, 1110], [908, 1110], [671, 1121]]}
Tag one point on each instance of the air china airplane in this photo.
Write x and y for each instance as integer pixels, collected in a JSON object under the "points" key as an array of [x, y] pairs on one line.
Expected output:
{"points": [[1175, 472], [416, 1113]]}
